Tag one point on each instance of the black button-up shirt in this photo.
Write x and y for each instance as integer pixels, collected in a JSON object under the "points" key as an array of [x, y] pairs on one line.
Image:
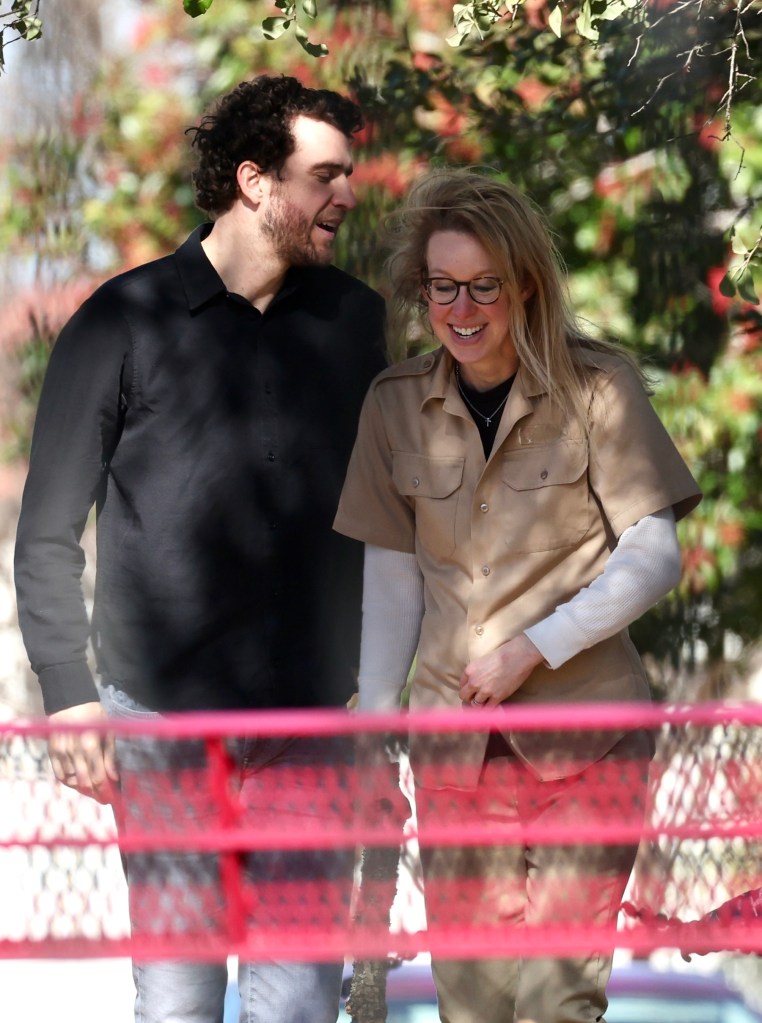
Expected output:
{"points": [[213, 440]]}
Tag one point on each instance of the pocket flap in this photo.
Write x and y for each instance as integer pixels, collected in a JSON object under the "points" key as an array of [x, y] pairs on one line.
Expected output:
{"points": [[544, 465], [422, 476]]}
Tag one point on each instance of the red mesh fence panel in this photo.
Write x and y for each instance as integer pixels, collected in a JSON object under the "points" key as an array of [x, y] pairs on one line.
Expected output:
{"points": [[233, 847]]}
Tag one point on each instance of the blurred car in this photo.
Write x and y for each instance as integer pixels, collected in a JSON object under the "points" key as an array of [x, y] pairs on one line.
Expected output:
{"points": [[638, 993]]}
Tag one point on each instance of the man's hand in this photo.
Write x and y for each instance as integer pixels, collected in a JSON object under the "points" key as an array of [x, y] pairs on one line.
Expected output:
{"points": [[85, 761], [490, 679]]}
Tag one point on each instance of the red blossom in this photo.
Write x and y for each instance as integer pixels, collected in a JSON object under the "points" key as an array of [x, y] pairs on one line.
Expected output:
{"points": [[445, 119], [695, 559], [606, 233], [49, 308], [615, 180], [721, 304], [731, 534], [739, 401], [306, 72], [709, 132], [144, 30], [431, 15], [384, 172], [536, 13], [463, 150], [425, 61], [751, 334], [684, 367], [155, 75], [532, 92], [84, 121]]}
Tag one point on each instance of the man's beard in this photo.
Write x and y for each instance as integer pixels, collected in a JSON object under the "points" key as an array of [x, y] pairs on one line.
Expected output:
{"points": [[291, 234]]}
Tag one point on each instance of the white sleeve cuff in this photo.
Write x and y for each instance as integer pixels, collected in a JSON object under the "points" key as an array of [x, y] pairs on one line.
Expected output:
{"points": [[643, 567]]}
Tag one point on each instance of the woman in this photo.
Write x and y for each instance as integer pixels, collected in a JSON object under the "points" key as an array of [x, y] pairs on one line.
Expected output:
{"points": [[517, 497]]}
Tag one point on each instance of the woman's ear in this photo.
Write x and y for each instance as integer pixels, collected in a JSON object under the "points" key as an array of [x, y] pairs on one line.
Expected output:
{"points": [[528, 290]]}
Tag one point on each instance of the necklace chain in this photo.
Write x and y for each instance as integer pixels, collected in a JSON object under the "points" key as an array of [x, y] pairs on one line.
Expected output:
{"points": [[487, 419]]}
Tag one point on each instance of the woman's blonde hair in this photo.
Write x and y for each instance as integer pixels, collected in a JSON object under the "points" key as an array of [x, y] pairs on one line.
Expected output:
{"points": [[544, 330]]}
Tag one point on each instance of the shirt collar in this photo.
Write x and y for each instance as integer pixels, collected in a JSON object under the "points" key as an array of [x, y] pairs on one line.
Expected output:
{"points": [[201, 281], [443, 380]]}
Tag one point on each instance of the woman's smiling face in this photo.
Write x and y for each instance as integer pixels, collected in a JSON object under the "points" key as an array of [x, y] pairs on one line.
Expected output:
{"points": [[477, 336]]}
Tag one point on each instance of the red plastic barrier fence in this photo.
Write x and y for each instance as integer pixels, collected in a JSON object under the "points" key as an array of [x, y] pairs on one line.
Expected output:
{"points": [[240, 851]]}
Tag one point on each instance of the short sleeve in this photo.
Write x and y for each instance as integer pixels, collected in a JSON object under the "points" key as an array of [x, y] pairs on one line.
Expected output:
{"points": [[635, 468], [371, 508]]}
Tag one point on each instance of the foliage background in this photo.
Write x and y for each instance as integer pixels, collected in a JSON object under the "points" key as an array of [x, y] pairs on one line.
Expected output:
{"points": [[643, 144]]}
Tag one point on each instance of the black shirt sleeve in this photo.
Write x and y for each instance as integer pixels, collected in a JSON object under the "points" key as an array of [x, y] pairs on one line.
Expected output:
{"points": [[75, 433]]}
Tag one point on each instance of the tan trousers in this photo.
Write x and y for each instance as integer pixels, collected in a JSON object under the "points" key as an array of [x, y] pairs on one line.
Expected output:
{"points": [[513, 883]]}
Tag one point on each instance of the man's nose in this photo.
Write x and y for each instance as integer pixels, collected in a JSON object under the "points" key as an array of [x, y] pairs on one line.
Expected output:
{"points": [[344, 195]]}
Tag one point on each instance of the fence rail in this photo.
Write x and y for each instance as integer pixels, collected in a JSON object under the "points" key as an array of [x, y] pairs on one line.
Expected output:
{"points": [[62, 892]]}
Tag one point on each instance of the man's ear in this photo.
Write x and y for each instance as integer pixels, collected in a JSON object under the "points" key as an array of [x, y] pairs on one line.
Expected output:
{"points": [[251, 181]]}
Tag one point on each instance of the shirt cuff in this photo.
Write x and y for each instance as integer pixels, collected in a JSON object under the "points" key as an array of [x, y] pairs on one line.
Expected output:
{"points": [[557, 638], [67, 685]]}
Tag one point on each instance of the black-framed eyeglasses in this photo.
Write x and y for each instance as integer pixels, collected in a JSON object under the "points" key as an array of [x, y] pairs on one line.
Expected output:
{"points": [[444, 290]]}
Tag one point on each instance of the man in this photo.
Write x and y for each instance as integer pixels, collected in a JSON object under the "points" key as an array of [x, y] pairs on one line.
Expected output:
{"points": [[206, 403]]}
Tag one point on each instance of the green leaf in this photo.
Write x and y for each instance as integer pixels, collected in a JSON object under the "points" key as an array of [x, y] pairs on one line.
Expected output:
{"points": [[310, 8], [555, 20], [585, 23], [33, 28], [274, 28], [613, 9], [727, 287], [458, 36], [27, 27], [196, 7], [314, 49], [746, 289], [463, 16]]}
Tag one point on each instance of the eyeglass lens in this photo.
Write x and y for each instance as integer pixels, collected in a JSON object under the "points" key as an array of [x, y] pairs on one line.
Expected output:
{"points": [[444, 290]]}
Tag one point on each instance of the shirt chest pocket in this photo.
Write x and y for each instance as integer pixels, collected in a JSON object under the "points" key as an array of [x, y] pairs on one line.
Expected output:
{"points": [[432, 487], [548, 504]]}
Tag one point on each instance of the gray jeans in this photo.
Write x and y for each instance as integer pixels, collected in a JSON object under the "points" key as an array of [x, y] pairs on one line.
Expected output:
{"points": [[165, 786]]}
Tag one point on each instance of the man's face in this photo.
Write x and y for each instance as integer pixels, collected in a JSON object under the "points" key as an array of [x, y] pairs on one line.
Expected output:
{"points": [[310, 199]]}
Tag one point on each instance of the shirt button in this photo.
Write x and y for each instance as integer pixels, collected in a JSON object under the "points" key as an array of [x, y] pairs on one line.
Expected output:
{"points": [[416, 481], [479, 630], [270, 456], [485, 570], [484, 506]]}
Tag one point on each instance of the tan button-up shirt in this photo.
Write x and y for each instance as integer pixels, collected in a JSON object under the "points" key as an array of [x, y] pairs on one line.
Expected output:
{"points": [[502, 542]]}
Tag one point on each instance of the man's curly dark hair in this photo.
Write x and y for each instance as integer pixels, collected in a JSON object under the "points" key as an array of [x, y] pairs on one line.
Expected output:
{"points": [[253, 122]]}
